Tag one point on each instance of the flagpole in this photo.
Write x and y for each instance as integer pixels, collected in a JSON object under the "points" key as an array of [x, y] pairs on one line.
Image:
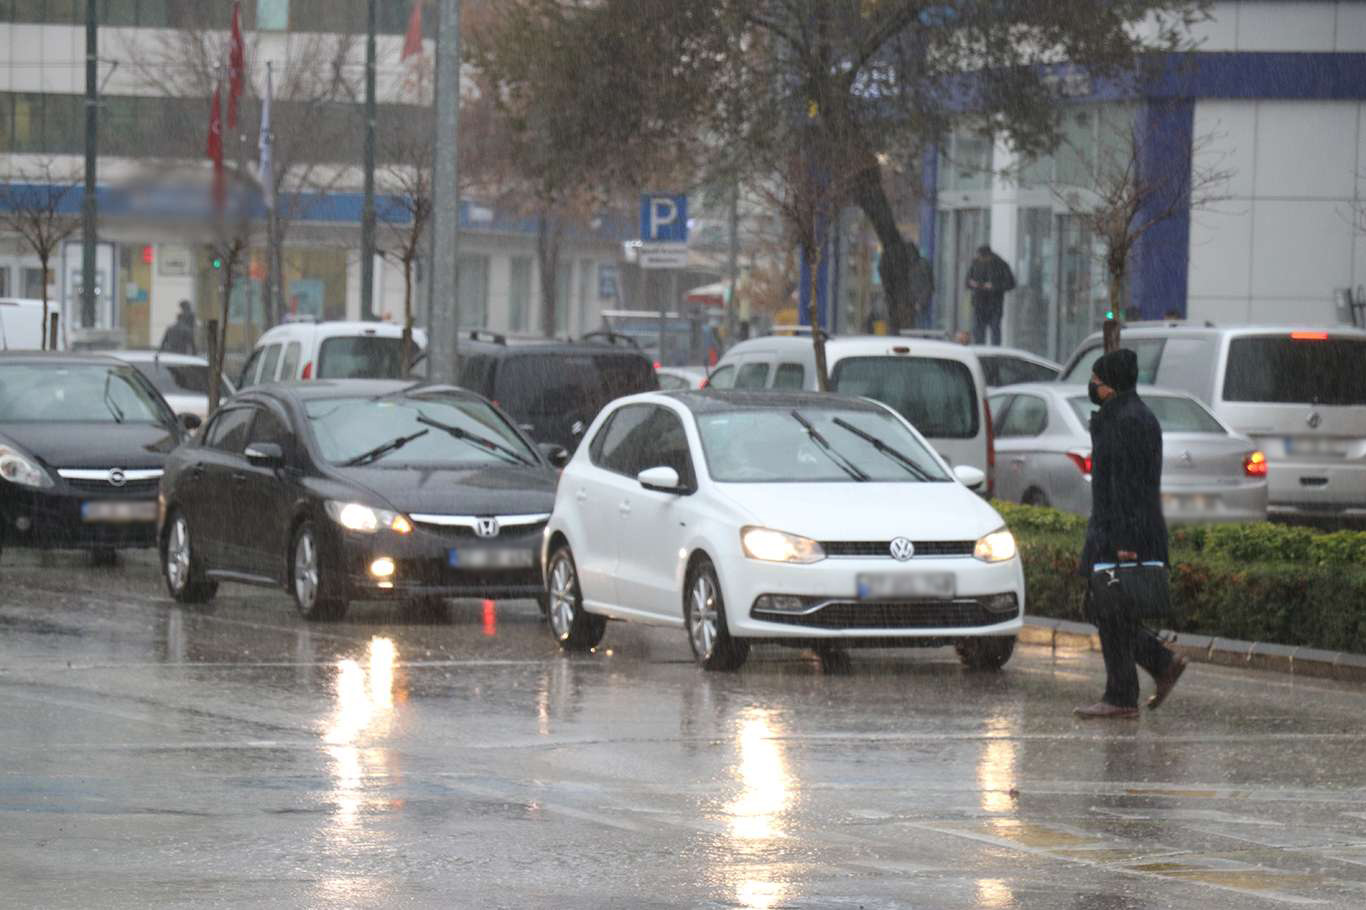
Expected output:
{"points": [[367, 220]]}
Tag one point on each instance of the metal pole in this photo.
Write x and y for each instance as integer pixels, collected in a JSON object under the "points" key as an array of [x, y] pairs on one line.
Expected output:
{"points": [[733, 266], [367, 219], [443, 317], [88, 210], [664, 313]]}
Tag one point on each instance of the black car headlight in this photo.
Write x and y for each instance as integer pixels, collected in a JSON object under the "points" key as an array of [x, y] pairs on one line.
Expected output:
{"points": [[22, 469]]}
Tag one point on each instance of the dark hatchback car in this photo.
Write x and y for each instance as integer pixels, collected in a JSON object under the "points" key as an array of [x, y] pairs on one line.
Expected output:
{"points": [[356, 490], [83, 442], [554, 390]]}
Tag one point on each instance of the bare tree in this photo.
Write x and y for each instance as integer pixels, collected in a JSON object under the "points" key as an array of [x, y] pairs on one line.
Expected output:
{"points": [[1126, 200], [32, 205]]}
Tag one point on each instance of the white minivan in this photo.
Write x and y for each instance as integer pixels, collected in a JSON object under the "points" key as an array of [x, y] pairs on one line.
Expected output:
{"points": [[329, 350], [1300, 393], [21, 323], [937, 385]]}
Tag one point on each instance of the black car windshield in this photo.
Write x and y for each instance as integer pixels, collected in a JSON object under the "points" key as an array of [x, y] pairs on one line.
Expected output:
{"points": [[348, 427], [362, 357], [753, 446], [179, 378], [1174, 415], [77, 393], [937, 395]]}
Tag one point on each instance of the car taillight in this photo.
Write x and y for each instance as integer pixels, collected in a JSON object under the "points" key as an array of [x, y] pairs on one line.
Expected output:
{"points": [[1082, 460], [991, 449], [308, 371], [1308, 336], [1254, 465]]}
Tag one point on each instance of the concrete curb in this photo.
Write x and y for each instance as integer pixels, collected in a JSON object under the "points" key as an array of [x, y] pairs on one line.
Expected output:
{"points": [[1062, 635]]}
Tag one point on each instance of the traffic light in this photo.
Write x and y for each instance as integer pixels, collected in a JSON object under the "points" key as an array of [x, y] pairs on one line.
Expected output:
{"points": [[1109, 314], [218, 262]]}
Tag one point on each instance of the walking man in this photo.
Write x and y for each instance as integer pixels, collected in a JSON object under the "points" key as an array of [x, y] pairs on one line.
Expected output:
{"points": [[989, 278], [179, 337], [1126, 526]]}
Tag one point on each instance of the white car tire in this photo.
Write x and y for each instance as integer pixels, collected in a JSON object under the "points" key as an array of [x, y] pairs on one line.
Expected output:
{"points": [[572, 627], [704, 617], [988, 653]]}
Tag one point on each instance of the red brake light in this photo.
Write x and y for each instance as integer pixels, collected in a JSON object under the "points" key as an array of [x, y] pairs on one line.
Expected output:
{"points": [[1254, 465], [1309, 336], [308, 371], [658, 364], [1082, 460]]}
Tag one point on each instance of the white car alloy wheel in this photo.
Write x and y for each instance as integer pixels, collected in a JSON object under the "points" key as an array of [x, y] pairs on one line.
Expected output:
{"points": [[702, 618], [563, 594], [704, 614]]}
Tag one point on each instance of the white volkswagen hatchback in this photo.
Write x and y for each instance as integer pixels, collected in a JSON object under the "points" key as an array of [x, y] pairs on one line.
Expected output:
{"points": [[795, 518]]}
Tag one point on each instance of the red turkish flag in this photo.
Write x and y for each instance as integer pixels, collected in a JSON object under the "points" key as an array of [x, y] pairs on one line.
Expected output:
{"points": [[215, 148], [412, 41], [237, 64]]}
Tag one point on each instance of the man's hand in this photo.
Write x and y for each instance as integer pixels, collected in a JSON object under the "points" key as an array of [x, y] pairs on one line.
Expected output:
{"points": [[1127, 556]]}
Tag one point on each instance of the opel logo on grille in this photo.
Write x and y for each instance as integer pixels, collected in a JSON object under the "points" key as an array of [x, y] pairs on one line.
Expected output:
{"points": [[486, 527], [902, 549], [1314, 419], [117, 478]]}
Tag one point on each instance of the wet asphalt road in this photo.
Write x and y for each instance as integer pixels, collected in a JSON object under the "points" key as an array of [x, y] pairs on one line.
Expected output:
{"points": [[152, 755]]}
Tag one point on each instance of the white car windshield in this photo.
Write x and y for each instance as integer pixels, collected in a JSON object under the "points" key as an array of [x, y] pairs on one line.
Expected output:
{"points": [[813, 445]]}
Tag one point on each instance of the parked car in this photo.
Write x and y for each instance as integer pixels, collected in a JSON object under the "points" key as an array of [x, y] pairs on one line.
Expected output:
{"points": [[677, 379], [21, 323], [806, 519], [937, 385], [306, 349], [553, 390], [1008, 366], [1299, 393], [1043, 441], [182, 379], [83, 442], [356, 490]]}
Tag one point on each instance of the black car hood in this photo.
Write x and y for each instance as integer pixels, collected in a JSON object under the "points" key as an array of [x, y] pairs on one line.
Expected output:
{"points": [[93, 445], [481, 490]]}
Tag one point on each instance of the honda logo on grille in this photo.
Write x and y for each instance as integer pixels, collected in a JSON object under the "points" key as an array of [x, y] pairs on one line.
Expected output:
{"points": [[486, 527], [117, 477], [902, 549]]}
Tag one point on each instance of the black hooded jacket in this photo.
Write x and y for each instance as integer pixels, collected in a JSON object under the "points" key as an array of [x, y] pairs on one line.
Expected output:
{"points": [[1126, 472]]}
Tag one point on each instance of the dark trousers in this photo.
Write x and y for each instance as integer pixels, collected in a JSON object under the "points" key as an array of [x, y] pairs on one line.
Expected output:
{"points": [[1126, 644], [986, 317]]}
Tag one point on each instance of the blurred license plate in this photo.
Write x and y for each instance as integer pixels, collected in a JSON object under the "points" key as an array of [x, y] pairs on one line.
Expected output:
{"points": [[492, 558], [1315, 445], [922, 585], [1189, 502], [119, 511]]}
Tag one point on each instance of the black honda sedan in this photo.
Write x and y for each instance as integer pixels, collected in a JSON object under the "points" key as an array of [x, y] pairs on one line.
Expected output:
{"points": [[83, 441], [357, 490]]}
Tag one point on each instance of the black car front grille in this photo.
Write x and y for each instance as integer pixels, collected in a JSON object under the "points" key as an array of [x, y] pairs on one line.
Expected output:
{"points": [[512, 536], [938, 614], [137, 489], [923, 548]]}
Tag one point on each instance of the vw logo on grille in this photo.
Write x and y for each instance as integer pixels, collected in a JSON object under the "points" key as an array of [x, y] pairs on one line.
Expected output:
{"points": [[116, 477], [902, 549], [486, 527]]}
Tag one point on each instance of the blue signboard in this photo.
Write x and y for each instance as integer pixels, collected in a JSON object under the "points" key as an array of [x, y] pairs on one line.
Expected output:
{"points": [[663, 218], [607, 281]]}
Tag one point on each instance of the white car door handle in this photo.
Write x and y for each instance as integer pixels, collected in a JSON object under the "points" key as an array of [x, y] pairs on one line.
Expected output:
{"points": [[581, 496], [624, 509]]}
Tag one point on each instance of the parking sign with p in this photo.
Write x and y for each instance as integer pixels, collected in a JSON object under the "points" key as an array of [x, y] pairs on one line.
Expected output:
{"points": [[663, 218]]}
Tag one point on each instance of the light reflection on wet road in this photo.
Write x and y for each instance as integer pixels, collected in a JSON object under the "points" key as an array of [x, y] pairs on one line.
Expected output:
{"points": [[155, 755]]}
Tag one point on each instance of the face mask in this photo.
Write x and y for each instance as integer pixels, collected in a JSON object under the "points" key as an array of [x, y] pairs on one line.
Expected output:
{"points": [[1093, 392]]}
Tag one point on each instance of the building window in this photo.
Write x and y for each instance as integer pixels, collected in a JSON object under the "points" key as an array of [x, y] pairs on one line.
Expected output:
{"points": [[272, 15], [564, 275], [965, 161], [519, 293], [34, 282], [472, 291]]}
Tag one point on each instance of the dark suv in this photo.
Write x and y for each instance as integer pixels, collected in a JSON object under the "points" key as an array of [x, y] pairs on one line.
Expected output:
{"points": [[554, 390]]}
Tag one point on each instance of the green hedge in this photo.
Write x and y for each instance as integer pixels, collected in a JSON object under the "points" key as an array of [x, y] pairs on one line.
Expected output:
{"points": [[1256, 582]]}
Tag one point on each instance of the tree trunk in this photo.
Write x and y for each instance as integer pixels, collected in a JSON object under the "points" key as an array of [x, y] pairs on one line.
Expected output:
{"points": [[42, 263], [1110, 331], [898, 253], [407, 311], [548, 262], [813, 256]]}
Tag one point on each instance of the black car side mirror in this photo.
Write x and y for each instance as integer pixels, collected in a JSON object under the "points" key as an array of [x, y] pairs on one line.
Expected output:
{"points": [[191, 422], [558, 456], [265, 455]]}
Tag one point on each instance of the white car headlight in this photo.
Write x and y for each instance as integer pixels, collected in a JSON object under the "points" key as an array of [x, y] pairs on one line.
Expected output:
{"points": [[776, 546], [16, 467], [998, 546], [357, 517]]}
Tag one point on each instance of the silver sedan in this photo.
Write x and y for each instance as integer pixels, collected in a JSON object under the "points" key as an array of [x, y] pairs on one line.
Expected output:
{"points": [[1043, 454]]}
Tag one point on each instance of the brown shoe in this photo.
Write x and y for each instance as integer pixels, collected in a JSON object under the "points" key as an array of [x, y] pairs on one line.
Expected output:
{"points": [[1105, 710], [1167, 681]]}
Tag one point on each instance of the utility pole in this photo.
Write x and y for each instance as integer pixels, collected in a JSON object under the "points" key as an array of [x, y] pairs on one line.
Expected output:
{"points": [[88, 210], [733, 265], [367, 218], [443, 317]]}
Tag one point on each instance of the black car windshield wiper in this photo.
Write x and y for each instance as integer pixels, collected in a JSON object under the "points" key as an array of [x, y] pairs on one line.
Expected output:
{"points": [[895, 454], [109, 400], [845, 464], [481, 441], [380, 451]]}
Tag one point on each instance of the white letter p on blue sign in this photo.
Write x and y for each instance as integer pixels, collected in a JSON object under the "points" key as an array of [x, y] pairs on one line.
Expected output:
{"points": [[663, 218]]}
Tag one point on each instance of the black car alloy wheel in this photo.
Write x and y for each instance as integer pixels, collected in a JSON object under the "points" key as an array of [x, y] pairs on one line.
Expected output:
{"points": [[181, 565], [313, 588]]}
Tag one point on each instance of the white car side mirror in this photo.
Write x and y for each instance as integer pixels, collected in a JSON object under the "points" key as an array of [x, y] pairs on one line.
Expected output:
{"points": [[970, 477], [661, 480]]}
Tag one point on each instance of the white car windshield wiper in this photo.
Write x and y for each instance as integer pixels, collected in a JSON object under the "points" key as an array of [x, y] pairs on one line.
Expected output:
{"points": [[896, 455], [475, 438], [844, 463], [380, 451]]}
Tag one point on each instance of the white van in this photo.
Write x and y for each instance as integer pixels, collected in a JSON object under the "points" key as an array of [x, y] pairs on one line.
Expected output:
{"points": [[329, 350], [1300, 393], [21, 323], [937, 385]]}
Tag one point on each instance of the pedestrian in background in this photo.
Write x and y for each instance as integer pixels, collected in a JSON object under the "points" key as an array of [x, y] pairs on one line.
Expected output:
{"points": [[179, 336], [1126, 526], [989, 278]]}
